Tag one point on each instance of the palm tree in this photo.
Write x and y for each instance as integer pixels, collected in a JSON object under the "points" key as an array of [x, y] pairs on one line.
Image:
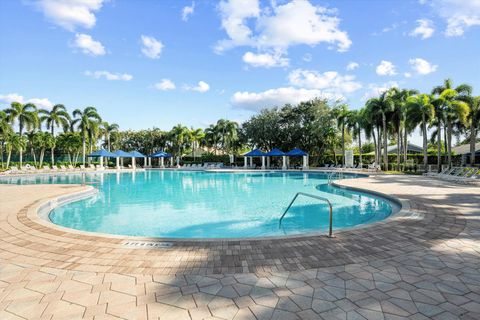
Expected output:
{"points": [[180, 136], [85, 120], [43, 141], [341, 113], [455, 111], [5, 129], [212, 137], [474, 122], [421, 110], [355, 123], [27, 117], [228, 132], [14, 142], [107, 130], [57, 117], [197, 136], [382, 106]]}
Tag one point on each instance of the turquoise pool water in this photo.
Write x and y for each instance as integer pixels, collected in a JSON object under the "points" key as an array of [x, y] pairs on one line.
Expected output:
{"points": [[187, 204]]}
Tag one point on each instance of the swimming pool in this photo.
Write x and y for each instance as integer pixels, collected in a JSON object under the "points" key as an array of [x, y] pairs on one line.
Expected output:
{"points": [[192, 204]]}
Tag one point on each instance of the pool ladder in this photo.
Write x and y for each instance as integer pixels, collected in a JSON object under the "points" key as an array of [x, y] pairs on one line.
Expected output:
{"points": [[330, 229], [331, 176]]}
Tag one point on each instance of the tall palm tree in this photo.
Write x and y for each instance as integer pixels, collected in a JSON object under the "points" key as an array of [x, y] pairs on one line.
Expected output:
{"points": [[474, 123], [228, 132], [341, 113], [355, 123], [85, 120], [421, 110], [180, 137], [14, 142], [27, 117], [57, 117], [455, 111], [5, 129], [212, 137], [107, 130], [382, 106], [43, 141], [197, 136]]}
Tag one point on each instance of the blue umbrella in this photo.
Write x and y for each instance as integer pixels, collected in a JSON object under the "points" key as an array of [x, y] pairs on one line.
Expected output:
{"points": [[136, 154], [102, 153], [275, 153], [296, 153], [123, 154], [255, 153]]}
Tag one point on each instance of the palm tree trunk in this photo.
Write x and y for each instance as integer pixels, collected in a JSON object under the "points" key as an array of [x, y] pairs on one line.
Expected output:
{"points": [[445, 140], [449, 143], [108, 143], [425, 143], [53, 156], [439, 148], [84, 147], [385, 143], [398, 148], [9, 155], [360, 147], [21, 157], [343, 144], [473, 135], [42, 152], [405, 145], [375, 145]]}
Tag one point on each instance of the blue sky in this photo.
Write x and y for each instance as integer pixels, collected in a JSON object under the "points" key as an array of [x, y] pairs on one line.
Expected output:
{"points": [[152, 63]]}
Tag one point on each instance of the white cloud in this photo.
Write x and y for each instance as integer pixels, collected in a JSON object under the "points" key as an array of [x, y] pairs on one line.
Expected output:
{"points": [[352, 66], [266, 60], [152, 47], [330, 81], [407, 74], [424, 29], [202, 86], [386, 68], [43, 103], [279, 26], [422, 66], [165, 85], [109, 76], [187, 11], [89, 46], [459, 15], [70, 14], [374, 90], [256, 101]]}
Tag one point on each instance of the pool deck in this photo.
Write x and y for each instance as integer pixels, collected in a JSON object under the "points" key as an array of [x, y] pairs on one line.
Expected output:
{"points": [[423, 263]]}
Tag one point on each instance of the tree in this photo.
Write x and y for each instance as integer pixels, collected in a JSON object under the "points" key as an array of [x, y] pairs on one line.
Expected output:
{"points": [[180, 137], [197, 136], [57, 117], [421, 111], [71, 143], [5, 129], [474, 122], [341, 113], [27, 117], [14, 142], [86, 121], [228, 132], [355, 123], [43, 141], [107, 130]]}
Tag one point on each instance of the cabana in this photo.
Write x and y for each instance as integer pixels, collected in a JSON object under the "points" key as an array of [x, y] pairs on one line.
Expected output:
{"points": [[277, 153], [101, 154], [161, 155], [120, 155], [299, 153], [254, 153], [135, 154]]}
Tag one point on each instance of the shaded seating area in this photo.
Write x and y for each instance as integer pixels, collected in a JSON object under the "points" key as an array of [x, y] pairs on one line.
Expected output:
{"points": [[266, 156], [102, 153], [161, 155]]}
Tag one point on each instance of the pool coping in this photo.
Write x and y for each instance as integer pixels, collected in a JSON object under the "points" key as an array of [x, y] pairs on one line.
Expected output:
{"points": [[40, 213]]}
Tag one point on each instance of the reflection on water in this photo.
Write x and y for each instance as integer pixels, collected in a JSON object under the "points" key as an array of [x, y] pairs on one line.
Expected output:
{"points": [[209, 204]]}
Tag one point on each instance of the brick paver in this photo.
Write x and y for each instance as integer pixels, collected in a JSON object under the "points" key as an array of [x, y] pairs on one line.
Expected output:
{"points": [[418, 265]]}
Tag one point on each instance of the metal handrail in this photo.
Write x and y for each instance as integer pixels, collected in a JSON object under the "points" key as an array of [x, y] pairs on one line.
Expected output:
{"points": [[330, 231]]}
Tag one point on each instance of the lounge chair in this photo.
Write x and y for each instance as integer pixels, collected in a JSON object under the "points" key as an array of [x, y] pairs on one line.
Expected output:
{"points": [[55, 169], [46, 168], [71, 168], [63, 168]]}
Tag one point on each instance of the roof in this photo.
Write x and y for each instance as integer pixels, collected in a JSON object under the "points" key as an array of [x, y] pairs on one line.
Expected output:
{"points": [[411, 148], [160, 154], [296, 153], [275, 153], [465, 148], [136, 154], [102, 153], [122, 154], [255, 153]]}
